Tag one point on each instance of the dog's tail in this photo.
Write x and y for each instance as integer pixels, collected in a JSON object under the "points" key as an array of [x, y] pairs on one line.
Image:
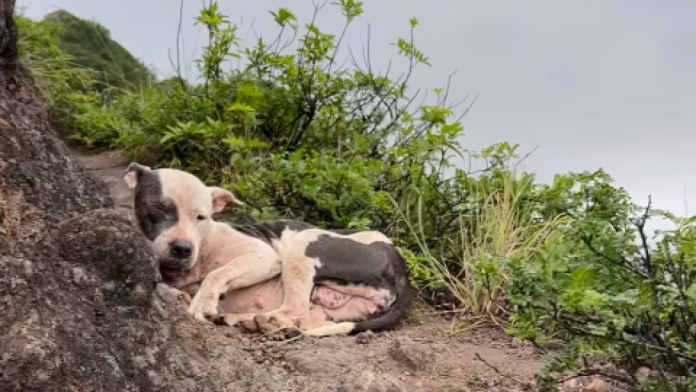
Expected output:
{"points": [[400, 308], [393, 315]]}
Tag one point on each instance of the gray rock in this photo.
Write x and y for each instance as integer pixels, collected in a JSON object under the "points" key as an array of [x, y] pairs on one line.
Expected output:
{"points": [[411, 355]]}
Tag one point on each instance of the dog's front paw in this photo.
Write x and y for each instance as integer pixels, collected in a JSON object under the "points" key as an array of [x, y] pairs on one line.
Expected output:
{"points": [[202, 309], [276, 326], [274, 320]]}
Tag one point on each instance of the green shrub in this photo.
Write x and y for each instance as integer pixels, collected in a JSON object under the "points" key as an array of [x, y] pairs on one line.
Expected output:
{"points": [[293, 130], [603, 288]]}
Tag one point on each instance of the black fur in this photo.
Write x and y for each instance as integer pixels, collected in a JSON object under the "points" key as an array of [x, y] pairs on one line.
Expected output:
{"points": [[154, 212]]}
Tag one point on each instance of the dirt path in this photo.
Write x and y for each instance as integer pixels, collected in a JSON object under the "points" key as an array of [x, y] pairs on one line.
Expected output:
{"points": [[422, 356], [109, 167]]}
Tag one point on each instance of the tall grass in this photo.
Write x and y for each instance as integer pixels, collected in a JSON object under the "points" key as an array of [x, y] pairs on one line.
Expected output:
{"points": [[502, 228]]}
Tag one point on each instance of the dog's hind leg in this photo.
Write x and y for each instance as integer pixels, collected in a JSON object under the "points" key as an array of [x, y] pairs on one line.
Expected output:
{"points": [[298, 273], [243, 271], [317, 324]]}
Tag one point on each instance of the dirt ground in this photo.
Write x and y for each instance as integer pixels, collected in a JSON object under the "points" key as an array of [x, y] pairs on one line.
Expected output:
{"points": [[423, 355], [414, 358]]}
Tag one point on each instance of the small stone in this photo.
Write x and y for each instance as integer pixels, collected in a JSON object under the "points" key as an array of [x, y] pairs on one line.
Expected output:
{"points": [[596, 385], [277, 355], [364, 337], [643, 373], [28, 267], [570, 385], [376, 382], [79, 275], [409, 354], [288, 367], [258, 356]]}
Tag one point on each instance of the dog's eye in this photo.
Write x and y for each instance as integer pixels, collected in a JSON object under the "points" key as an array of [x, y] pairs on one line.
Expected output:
{"points": [[200, 218]]}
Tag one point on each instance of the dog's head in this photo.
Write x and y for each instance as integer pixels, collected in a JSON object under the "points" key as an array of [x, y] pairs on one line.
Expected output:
{"points": [[174, 210]]}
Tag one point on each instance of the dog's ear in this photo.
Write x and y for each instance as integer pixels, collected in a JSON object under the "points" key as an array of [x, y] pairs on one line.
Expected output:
{"points": [[221, 197], [133, 173]]}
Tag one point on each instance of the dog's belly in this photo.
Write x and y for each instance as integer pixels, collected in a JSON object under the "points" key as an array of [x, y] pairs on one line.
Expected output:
{"points": [[350, 302], [339, 303], [258, 298]]}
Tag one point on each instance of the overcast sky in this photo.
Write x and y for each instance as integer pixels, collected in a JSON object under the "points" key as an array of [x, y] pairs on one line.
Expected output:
{"points": [[592, 83]]}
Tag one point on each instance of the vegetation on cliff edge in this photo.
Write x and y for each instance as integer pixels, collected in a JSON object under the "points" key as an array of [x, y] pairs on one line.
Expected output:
{"points": [[91, 46]]}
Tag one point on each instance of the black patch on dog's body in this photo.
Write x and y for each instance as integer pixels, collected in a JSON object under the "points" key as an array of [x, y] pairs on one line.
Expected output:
{"points": [[342, 260], [349, 261], [155, 213]]}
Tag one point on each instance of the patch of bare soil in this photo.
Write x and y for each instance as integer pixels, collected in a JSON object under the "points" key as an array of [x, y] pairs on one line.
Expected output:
{"points": [[110, 167], [423, 355], [414, 358]]}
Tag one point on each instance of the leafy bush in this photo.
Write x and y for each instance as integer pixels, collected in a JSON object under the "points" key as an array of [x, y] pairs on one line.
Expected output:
{"points": [[295, 131], [605, 290]]}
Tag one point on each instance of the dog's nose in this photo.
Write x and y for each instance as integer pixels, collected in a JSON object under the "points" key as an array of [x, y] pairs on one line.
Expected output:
{"points": [[181, 249]]}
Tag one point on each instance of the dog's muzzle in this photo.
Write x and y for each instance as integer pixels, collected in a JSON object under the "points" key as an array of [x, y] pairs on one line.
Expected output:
{"points": [[178, 256], [180, 250]]}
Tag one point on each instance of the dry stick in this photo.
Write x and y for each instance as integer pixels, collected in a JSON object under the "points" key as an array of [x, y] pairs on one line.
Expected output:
{"points": [[627, 380], [526, 386], [281, 329]]}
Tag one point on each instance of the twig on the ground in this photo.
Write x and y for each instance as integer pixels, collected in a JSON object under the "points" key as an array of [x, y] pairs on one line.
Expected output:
{"points": [[526, 386], [614, 376], [453, 311], [425, 340], [274, 332]]}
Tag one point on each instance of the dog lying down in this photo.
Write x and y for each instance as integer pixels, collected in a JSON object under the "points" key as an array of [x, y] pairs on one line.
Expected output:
{"points": [[267, 276]]}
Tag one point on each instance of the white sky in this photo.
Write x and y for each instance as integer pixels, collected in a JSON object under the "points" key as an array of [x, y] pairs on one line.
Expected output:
{"points": [[593, 83]]}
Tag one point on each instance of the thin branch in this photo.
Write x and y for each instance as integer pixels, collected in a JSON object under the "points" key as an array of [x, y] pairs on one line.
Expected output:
{"points": [[524, 385]]}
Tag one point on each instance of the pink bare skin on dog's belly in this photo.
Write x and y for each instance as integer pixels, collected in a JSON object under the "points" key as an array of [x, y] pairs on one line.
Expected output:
{"points": [[258, 298], [267, 296], [341, 306]]}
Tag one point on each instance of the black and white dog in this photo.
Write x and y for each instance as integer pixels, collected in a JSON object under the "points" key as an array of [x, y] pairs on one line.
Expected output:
{"points": [[279, 274]]}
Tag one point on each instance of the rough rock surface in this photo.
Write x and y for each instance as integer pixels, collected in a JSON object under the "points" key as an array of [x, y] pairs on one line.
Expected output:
{"points": [[81, 310]]}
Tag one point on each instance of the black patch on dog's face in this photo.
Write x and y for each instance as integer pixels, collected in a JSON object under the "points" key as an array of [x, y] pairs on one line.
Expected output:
{"points": [[348, 261], [154, 212]]}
